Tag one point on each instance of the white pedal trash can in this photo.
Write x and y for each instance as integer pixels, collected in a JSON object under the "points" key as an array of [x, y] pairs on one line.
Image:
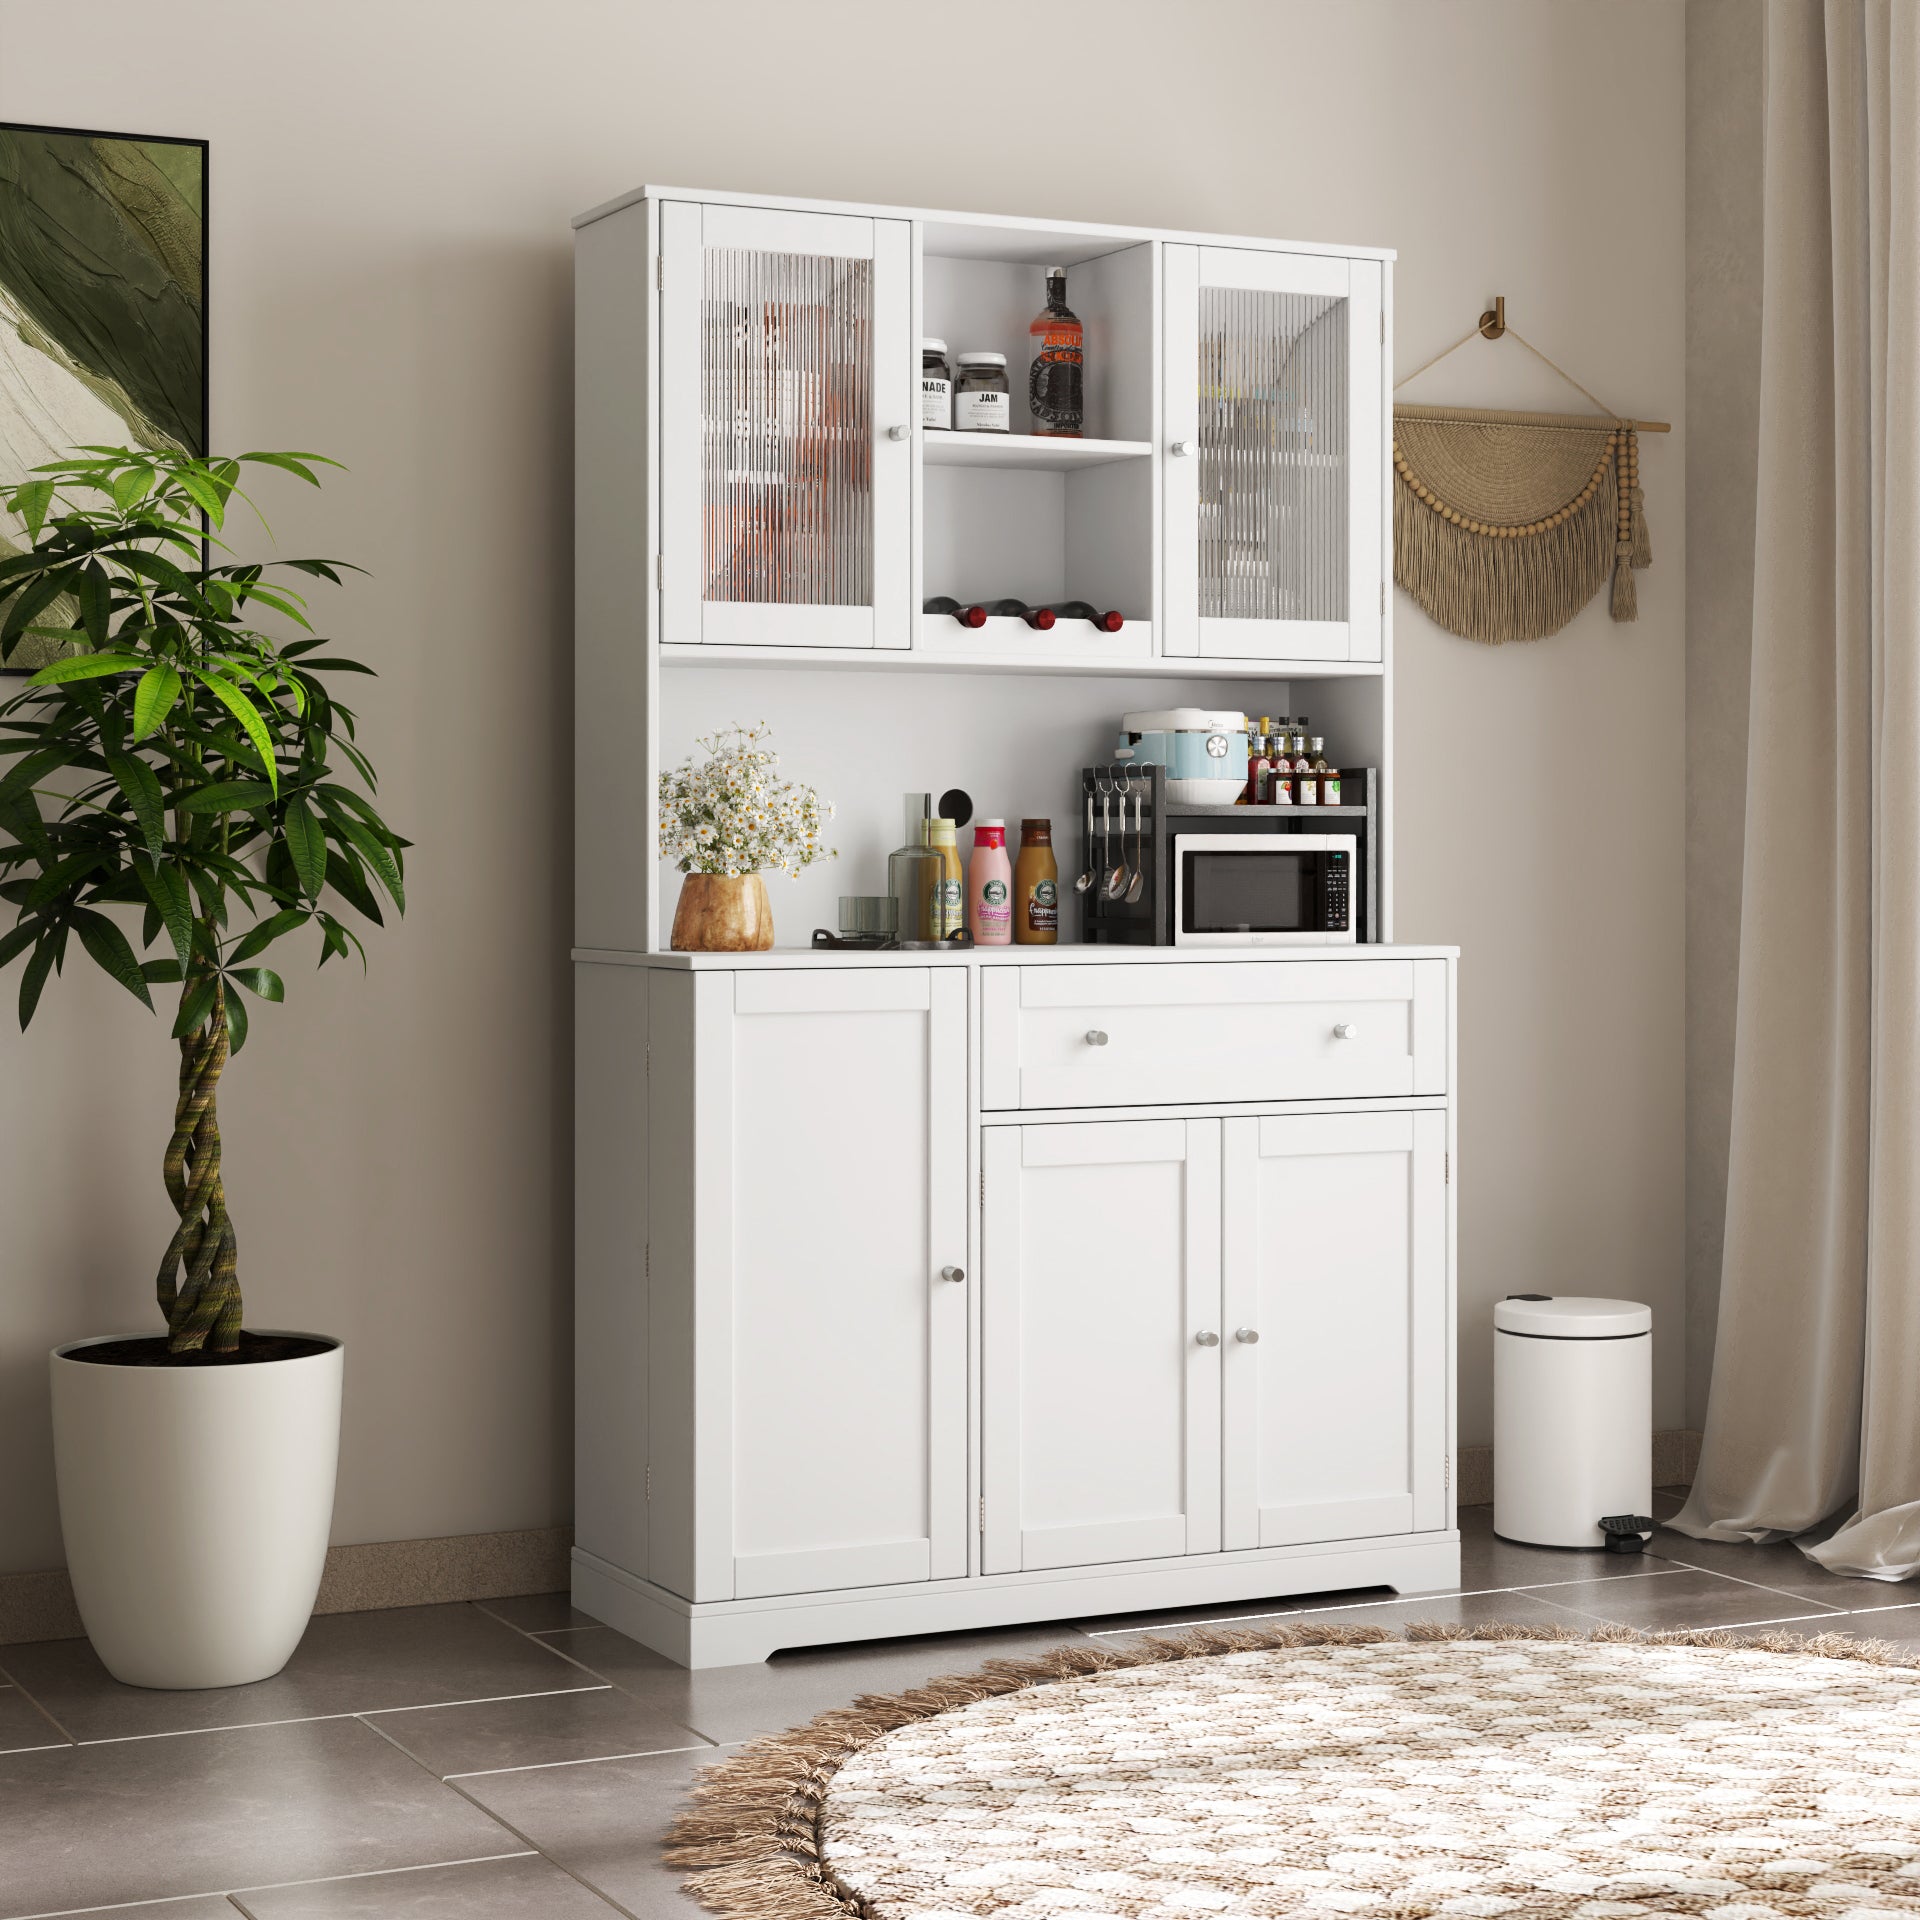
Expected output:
{"points": [[1572, 1421]]}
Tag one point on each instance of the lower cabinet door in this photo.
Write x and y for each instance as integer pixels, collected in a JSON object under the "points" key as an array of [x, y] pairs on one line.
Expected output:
{"points": [[1334, 1370], [1101, 1274], [845, 1150]]}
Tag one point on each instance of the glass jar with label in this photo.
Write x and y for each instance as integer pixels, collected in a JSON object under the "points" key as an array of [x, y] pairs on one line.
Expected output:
{"points": [[981, 396], [936, 385]]}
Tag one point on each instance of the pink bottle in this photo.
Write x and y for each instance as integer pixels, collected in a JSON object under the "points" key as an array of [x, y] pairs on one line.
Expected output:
{"points": [[990, 886]]}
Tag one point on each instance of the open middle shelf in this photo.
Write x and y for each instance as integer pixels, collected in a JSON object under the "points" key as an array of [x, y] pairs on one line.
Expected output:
{"points": [[1026, 452]]}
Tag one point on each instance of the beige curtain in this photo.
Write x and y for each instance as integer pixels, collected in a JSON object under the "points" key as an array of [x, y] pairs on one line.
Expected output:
{"points": [[1814, 1414]]}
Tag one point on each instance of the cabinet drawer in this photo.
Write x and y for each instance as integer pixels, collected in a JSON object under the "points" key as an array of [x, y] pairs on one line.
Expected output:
{"points": [[1177, 1035]]}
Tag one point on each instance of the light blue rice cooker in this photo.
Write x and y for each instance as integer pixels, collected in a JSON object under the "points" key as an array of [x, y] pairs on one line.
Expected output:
{"points": [[1204, 752]]}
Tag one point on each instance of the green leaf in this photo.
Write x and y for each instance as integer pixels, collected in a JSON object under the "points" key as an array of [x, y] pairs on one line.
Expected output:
{"points": [[153, 699], [380, 858], [167, 889], [18, 941], [204, 494], [34, 768], [31, 502], [261, 981], [227, 796], [195, 1004], [307, 844], [248, 715], [63, 876], [109, 949], [131, 487], [34, 979], [83, 666], [95, 594], [29, 603], [162, 973], [294, 463], [237, 1023], [346, 879], [267, 932], [141, 785]]}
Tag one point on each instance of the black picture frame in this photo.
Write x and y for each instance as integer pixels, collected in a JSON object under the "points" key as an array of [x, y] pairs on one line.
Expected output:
{"points": [[22, 207]]}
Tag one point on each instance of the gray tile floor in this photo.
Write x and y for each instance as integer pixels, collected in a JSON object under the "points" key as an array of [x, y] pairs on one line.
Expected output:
{"points": [[518, 1759]]}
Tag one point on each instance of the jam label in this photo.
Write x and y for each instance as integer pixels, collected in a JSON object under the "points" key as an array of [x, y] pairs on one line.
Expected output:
{"points": [[936, 401], [982, 412]]}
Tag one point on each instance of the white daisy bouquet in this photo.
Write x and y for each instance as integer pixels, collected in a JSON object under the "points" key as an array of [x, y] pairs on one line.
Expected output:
{"points": [[733, 814]]}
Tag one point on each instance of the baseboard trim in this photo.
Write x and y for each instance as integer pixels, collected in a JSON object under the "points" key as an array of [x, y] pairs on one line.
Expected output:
{"points": [[496, 1566], [358, 1579], [1676, 1453]]}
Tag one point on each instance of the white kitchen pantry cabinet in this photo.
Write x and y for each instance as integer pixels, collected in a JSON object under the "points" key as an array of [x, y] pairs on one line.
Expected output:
{"points": [[860, 1355], [923, 1291]]}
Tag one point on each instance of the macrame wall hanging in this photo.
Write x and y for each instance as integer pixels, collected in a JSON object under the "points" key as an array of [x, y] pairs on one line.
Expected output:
{"points": [[1506, 524]]}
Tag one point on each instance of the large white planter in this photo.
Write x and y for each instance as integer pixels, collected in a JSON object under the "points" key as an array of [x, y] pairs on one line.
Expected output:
{"points": [[196, 1504]]}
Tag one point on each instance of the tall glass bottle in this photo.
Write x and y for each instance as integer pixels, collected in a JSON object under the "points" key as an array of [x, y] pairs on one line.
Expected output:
{"points": [[914, 875], [1056, 382]]}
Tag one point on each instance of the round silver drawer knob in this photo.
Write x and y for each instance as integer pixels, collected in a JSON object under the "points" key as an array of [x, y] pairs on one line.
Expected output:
{"points": [[899, 433], [1181, 449], [1207, 1339], [1346, 1030], [1247, 1336], [953, 1273], [1095, 1038]]}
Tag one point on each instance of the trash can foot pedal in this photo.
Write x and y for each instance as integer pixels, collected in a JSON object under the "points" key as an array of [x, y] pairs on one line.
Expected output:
{"points": [[1627, 1532]]}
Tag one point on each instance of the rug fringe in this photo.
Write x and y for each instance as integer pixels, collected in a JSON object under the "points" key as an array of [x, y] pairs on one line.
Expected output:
{"points": [[751, 1839]]}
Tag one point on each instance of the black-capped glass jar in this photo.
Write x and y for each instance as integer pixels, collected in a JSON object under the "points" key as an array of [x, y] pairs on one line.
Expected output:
{"points": [[981, 396], [936, 386]]}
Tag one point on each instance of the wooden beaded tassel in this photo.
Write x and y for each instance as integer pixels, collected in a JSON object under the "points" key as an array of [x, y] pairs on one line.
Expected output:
{"points": [[1626, 602], [1642, 545]]}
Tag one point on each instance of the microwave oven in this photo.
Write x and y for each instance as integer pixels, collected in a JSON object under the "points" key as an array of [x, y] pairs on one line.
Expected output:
{"points": [[1263, 889]]}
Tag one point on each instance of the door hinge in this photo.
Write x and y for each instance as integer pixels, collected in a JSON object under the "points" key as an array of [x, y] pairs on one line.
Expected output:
{"points": [[1383, 596], [649, 1479], [660, 280], [1383, 326], [1447, 1159], [983, 1189], [647, 1260], [1446, 1474], [983, 1513], [660, 570]]}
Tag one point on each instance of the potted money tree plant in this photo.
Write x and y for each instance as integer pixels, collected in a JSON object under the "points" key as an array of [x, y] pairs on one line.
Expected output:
{"points": [[180, 793]]}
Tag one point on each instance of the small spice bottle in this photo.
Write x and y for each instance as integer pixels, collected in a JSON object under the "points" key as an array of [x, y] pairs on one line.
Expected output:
{"points": [[1036, 887], [981, 402], [936, 386]]}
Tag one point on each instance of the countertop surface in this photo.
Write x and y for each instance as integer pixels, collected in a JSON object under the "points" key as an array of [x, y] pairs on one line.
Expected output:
{"points": [[1062, 955]]}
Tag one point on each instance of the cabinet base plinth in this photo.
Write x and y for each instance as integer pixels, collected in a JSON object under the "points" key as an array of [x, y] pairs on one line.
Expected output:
{"points": [[723, 1633]]}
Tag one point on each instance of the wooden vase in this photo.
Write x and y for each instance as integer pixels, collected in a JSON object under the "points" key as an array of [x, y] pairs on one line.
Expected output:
{"points": [[723, 913]]}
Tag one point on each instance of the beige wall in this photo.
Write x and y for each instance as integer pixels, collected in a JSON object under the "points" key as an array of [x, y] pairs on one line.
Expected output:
{"points": [[391, 190], [1724, 111]]}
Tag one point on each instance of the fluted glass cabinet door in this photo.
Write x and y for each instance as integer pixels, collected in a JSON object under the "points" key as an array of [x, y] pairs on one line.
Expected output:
{"points": [[786, 456], [1275, 470]]}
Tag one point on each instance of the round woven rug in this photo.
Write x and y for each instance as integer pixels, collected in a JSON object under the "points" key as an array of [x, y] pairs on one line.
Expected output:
{"points": [[1327, 1772]]}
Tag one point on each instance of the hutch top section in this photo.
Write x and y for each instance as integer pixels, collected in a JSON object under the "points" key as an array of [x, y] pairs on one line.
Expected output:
{"points": [[875, 435]]}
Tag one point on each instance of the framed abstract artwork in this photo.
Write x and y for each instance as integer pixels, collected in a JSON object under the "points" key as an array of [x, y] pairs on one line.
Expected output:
{"points": [[103, 305]]}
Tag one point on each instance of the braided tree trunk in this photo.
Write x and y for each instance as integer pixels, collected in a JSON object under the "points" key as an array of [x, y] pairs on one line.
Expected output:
{"points": [[199, 1280]]}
